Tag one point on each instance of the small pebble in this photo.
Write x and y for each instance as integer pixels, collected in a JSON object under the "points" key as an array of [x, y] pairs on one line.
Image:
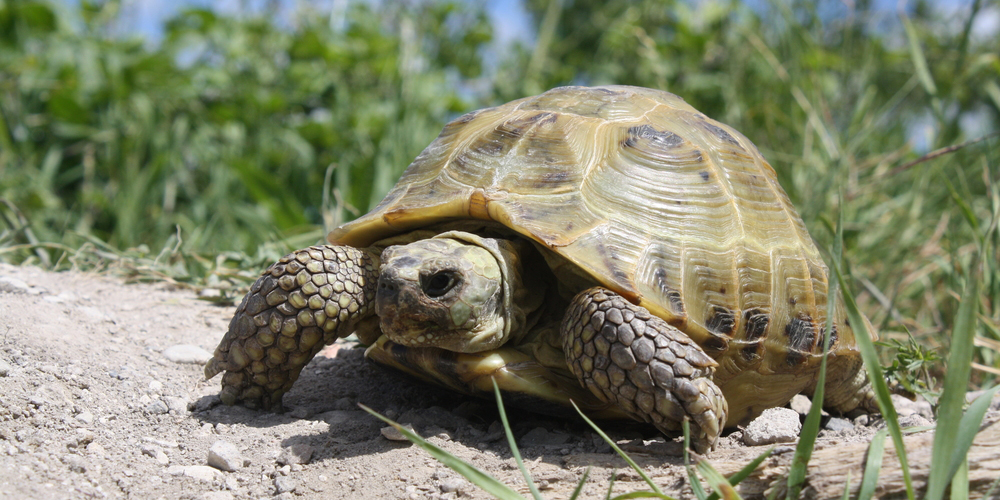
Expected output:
{"points": [[201, 472], [53, 394], [906, 407], [186, 353], [800, 403], [85, 417], [150, 450], [155, 386], [5, 368], [453, 484], [392, 434], [296, 454], [157, 407], [13, 285], [96, 449], [838, 424], [84, 437], [284, 484], [224, 455], [774, 425], [76, 463], [175, 404], [914, 420], [205, 403], [217, 495], [301, 412]]}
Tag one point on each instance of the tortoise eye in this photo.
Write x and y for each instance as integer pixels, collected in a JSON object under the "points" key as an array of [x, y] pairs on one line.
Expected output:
{"points": [[439, 283]]}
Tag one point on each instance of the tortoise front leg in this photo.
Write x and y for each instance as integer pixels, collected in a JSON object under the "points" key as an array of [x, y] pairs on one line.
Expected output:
{"points": [[653, 371], [304, 301]]}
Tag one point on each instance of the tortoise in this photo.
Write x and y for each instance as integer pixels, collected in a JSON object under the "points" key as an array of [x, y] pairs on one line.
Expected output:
{"points": [[609, 245]]}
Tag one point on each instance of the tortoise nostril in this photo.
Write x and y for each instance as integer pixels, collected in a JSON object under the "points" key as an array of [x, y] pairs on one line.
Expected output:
{"points": [[386, 285]]}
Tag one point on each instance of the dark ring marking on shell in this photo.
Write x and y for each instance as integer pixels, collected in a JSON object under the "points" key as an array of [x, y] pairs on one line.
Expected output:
{"points": [[704, 175], [468, 117], [750, 352], [822, 338], [721, 321], [755, 324], [801, 333], [664, 139], [721, 134], [794, 358], [543, 118], [673, 296], [717, 344]]}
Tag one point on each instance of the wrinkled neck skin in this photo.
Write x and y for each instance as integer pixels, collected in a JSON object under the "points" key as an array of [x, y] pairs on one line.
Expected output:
{"points": [[457, 291]]}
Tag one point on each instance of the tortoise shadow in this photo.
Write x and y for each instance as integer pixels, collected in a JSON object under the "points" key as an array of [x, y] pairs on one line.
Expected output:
{"points": [[329, 390]]}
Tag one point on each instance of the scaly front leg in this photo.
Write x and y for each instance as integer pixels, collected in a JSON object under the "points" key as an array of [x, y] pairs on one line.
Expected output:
{"points": [[653, 371], [304, 301]]}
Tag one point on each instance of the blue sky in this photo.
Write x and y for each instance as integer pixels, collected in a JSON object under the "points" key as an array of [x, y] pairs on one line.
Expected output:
{"points": [[510, 20]]}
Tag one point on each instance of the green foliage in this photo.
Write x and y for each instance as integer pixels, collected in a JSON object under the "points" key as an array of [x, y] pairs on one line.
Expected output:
{"points": [[225, 130], [911, 367]]}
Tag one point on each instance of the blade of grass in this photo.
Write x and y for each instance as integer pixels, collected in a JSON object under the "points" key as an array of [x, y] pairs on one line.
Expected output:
{"points": [[847, 487], [745, 472], [513, 445], [579, 485], [920, 65], [717, 481], [956, 381], [960, 483], [993, 489], [876, 375], [969, 427], [699, 492], [873, 466], [618, 450], [488, 483], [640, 494], [810, 430]]}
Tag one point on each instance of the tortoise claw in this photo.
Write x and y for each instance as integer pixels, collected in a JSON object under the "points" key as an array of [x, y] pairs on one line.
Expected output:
{"points": [[653, 371], [304, 301]]}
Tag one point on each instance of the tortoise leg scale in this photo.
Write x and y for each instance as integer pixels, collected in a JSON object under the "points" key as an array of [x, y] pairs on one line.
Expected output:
{"points": [[304, 301], [652, 370]]}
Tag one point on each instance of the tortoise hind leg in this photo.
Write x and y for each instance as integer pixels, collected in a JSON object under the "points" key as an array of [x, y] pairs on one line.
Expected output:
{"points": [[307, 299], [653, 371]]}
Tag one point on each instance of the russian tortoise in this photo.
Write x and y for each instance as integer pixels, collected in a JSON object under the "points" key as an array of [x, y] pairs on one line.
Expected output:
{"points": [[609, 245]]}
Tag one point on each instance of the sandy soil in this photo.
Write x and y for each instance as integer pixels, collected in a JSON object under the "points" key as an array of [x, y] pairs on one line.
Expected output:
{"points": [[96, 402]]}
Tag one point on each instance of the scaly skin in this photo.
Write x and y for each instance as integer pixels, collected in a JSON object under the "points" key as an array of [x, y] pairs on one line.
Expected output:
{"points": [[304, 301], [652, 370]]}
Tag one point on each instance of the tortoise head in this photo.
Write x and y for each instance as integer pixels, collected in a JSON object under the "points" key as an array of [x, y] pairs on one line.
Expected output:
{"points": [[446, 292]]}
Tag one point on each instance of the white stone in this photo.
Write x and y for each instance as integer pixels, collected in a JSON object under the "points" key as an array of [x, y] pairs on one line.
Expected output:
{"points": [[296, 454], [186, 353], [775, 425], [13, 285], [224, 455], [202, 472]]}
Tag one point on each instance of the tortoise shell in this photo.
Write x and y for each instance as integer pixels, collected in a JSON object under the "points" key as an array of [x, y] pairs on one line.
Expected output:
{"points": [[673, 210]]}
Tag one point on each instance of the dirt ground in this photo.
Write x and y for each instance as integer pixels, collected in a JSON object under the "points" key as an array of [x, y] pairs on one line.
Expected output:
{"points": [[102, 396]]}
